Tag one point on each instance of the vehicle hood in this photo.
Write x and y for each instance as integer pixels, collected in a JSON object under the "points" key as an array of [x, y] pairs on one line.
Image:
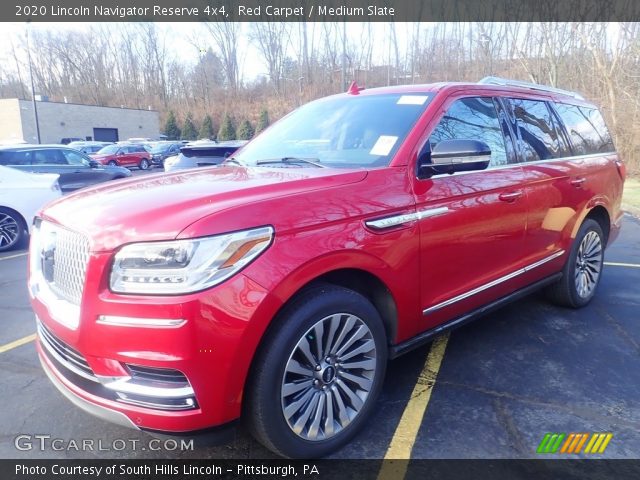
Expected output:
{"points": [[160, 206]]}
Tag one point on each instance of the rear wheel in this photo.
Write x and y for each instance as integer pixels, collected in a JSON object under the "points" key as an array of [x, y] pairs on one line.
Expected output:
{"points": [[113, 163], [318, 373], [582, 272], [12, 229], [144, 164]]}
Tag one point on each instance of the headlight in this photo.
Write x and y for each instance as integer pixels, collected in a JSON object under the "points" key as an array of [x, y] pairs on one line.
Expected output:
{"points": [[185, 266]]}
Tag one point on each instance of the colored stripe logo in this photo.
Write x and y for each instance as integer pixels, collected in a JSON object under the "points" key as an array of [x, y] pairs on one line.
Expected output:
{"points": [[573, 443]]}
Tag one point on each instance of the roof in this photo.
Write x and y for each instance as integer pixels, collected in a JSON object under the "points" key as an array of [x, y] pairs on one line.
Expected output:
{"points": [[490, 84]]}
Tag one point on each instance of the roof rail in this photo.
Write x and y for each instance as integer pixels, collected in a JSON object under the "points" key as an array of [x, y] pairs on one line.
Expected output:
{"points": [[531, 86]]}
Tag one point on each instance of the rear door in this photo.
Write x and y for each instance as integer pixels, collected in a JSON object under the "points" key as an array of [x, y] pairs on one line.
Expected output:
{"points": [[473, 223], [553, 179], [52, 160]]}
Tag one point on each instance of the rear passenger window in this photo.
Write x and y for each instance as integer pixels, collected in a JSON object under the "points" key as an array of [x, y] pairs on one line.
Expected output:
{"points": [[587, 130], [473, 119], [15, 158], [537, 131]]}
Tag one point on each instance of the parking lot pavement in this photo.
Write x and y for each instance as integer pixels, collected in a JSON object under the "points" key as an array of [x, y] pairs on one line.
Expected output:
{"points": [[504, 381]]}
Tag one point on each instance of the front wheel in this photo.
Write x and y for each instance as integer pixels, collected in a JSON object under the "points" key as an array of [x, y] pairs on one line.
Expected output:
{"points": [[318, 373], [113, 163], [582, 272], [12, 229], [144, 164]]}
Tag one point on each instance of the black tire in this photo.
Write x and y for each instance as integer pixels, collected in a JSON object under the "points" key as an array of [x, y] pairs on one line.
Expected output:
{"points": [[13, 229], [144, 164], [113, 163], [264, 396], [567, 291]]}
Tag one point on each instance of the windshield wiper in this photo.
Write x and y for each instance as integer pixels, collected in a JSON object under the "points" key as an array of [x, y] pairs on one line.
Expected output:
{"points": [[292, 160], [233, 161]]}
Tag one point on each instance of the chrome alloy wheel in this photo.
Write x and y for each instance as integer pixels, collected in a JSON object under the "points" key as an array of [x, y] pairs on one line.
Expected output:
{"points": [[588, 264], [9, 230], [328, 377]]}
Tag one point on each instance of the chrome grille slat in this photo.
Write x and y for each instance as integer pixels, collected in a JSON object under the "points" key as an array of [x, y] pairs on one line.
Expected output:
{"points": [[70, 264], [66, 355]]}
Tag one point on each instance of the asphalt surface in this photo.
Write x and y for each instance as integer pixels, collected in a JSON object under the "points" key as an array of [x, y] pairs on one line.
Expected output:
{"points": [[505, 380]]}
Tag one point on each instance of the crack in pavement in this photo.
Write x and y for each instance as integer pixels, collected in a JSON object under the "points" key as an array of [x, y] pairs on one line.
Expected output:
{"points": [[515, 438], [582, 412], [620, 330]]}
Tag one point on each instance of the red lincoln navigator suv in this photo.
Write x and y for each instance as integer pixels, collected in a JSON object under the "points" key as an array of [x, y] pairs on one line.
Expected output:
{"points": [[276, 286]]}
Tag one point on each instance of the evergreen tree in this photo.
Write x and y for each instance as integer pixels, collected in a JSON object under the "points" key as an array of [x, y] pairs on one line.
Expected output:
{"points": [[189, 131], [263, 122], [206, 129], [246, 131], [171, 129], [227, 129]]}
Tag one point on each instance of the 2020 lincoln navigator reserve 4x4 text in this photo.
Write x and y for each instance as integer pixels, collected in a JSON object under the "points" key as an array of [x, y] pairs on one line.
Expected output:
{"points": [[276, 286]]}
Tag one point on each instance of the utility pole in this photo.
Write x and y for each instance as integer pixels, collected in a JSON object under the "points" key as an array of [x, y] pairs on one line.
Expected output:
{"points": [[33, 90], [344, 56]]}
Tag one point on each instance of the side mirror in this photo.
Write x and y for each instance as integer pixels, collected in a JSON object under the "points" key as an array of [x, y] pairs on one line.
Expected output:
{"points": [[94, 164], [450, 156]]}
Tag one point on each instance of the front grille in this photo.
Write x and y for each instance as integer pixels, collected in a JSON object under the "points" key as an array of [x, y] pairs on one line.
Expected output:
{"points": [[66, 355], [70, 257]]}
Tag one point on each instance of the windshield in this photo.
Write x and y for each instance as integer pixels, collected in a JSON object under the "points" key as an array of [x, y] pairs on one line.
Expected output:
{"points": [[343, 132], [108, 150]]}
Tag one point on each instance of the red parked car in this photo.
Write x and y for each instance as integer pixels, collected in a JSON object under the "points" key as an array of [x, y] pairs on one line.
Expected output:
{"points": [[353, 230], [124, 155]]}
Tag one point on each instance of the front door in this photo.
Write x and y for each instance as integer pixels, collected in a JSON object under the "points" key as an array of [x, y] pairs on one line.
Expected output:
{"points": [[473, 223]]}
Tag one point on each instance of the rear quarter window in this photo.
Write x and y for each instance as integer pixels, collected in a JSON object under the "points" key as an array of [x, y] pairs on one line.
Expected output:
{"points": [[586, 128]]}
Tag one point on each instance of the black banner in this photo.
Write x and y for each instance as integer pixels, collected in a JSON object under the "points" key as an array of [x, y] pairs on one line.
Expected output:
{"points": [[318, 10], [320, 469]]}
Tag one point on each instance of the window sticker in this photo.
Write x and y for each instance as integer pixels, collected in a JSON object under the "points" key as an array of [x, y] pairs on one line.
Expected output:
{"points": [[383, 145], [412, 100]]}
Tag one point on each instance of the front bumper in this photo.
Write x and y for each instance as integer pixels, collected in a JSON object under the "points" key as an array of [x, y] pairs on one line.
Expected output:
{"points": [[213, 349]]}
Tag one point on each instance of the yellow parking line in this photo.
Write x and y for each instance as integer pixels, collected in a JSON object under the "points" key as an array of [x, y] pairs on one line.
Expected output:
{"points": [[407, 430], [17, 343], [618, 264], [14, 256]]}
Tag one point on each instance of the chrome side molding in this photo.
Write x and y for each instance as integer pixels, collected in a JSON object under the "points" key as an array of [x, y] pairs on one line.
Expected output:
{"points": [[394, 221], [491, 284]]}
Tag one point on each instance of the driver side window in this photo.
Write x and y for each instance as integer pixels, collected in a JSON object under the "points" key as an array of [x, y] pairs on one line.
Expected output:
{"points": [[473, 118]]}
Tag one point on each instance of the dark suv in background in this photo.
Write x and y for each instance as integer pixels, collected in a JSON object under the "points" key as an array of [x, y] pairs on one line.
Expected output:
{"points": [[160, 151], [76, 169]]}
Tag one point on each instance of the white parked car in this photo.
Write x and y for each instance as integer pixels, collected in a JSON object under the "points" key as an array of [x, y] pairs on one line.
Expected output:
{"points": [[21, 196]]}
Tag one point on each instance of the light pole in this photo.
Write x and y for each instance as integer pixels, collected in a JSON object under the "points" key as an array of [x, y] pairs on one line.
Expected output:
{"points": [[33, 89]]}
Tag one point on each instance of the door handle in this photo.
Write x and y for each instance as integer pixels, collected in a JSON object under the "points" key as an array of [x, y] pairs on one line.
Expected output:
{"points": [[577, 182], [510, 196]]}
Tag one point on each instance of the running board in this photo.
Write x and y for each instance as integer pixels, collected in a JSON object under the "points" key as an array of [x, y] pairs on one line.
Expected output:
{"points": [[425, 337]]}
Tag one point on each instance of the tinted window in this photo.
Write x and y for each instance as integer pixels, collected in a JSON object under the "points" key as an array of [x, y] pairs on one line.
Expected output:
{"points": [[473, 119], [48, 157], [537, 131], [15, 158], [586, 127]]}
